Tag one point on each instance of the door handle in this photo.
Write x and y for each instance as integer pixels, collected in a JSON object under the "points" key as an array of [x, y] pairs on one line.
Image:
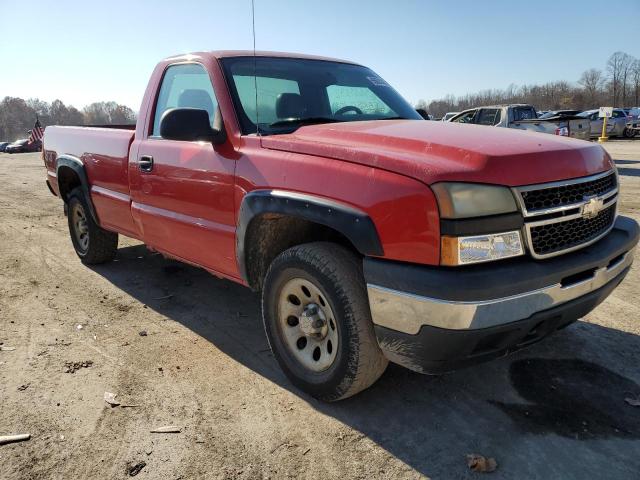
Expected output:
{"points": [[145, 163]]}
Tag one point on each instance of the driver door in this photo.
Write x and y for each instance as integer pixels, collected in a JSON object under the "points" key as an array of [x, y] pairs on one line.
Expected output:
{"points": [[182, 191]]}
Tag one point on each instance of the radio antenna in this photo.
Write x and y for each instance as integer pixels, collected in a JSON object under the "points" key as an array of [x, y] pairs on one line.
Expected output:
{"points": [[255, 78]]}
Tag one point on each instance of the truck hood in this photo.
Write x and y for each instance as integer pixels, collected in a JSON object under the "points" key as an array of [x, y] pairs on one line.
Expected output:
{"points": [[441, 151]]}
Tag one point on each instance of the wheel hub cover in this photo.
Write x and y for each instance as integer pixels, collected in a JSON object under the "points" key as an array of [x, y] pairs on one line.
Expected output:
{"points": [[313, 322]]}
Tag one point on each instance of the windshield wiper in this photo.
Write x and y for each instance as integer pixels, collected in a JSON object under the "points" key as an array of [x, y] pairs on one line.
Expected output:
{"points": [[303, 121]]}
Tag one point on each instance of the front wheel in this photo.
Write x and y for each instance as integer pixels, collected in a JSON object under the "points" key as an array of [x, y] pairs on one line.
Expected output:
{"points": [[629, 133], [317, 319], [92, 243]]}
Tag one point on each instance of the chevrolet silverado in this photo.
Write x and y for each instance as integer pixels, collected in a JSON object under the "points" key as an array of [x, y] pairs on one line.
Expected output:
{"points": [[372, 235]]}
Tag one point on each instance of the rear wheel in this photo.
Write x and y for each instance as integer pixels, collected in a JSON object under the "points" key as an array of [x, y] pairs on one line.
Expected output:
{"points": [[317, 319], [629, 133], [92, 243]]}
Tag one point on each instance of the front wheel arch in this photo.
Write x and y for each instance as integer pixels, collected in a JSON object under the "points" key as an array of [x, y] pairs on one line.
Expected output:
{"points": [[307, 218]]}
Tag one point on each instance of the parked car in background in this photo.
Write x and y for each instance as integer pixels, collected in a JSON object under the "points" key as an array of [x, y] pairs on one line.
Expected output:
{"points": [[448, 116], [23, 146], [17, 146], [633, 128], [633, 113], [524, 117], [616, 125], [3, 145], [558, 113]]}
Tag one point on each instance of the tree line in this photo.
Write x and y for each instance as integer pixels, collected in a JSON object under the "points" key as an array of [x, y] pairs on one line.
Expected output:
{"points": [[17, 116], [617, 86]]}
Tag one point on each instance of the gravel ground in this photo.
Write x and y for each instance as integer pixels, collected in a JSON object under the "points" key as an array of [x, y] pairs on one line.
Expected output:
{"points": [[183, 348]]}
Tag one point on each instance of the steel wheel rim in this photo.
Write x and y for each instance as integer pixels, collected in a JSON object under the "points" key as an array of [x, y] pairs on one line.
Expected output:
{"points": [[308, 325], [80, 226]]}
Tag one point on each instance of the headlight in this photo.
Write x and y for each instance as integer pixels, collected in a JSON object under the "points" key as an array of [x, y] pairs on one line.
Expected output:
{"points": [[480, 248], [466, 200]]}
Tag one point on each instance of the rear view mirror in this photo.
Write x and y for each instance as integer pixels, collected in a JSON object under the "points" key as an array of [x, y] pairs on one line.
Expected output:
{"points": [[191, 124]]}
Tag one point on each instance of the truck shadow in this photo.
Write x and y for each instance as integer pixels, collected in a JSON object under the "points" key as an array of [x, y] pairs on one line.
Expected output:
{"points": [[562, 408], [629, 172]]}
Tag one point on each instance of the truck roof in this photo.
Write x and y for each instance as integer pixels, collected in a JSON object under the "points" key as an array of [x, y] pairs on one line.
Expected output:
{"points": [[502, 105], [250, 53]]}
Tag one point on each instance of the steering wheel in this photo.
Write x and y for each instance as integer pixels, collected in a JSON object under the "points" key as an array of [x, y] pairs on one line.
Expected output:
{"points": [[348, 108]]}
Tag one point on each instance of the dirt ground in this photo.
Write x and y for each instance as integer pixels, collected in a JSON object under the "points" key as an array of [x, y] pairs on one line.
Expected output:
{"points": [[188, 349]]}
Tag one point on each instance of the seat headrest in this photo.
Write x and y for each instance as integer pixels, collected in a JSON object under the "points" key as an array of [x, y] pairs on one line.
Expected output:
{"points": [[196, 98], [289, 105]]}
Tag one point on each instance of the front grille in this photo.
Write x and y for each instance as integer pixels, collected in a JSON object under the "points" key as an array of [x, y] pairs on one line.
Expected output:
{"points": [[563, 195], [550, 238]]}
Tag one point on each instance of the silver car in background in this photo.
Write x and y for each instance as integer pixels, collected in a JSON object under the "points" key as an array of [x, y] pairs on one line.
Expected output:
{"points": [[616, 125]]}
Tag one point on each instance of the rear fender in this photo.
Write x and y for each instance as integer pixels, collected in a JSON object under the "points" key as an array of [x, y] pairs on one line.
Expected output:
{"points": [[76, 165]]}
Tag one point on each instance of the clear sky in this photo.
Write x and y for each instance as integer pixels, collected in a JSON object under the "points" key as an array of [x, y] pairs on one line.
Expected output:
{"points": [[85, 51]]}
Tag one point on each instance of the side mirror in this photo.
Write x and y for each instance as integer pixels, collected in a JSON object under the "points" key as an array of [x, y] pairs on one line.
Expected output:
{"points": [[192, 124], [423, 113]]}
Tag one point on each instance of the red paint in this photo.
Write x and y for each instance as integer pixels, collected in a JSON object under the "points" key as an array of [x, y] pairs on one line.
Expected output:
{"points": [[187, 207], [437, 151]]}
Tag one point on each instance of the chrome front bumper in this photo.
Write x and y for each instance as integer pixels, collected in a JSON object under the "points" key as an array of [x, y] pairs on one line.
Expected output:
{"points": [[408, 313]]}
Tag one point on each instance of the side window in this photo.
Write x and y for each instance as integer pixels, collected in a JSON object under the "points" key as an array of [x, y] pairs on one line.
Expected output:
{"points": [[523, 114], [618, 114], [487, 116], [185, 86], [362, 98], [466, 117]]}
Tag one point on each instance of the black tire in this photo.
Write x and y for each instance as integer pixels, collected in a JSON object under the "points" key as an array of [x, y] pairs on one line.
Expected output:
{"points": [[100, 245], [629, 133], [337, 274]]}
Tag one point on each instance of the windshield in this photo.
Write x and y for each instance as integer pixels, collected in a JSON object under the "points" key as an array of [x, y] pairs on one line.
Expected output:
{"points": [[293, 92]]}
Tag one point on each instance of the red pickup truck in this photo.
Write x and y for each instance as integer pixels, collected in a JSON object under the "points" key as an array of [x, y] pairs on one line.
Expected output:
{"points": [[372, 234]]}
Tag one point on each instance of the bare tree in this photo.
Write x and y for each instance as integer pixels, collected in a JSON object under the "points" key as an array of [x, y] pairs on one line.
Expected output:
{"points": [[121, 115], [635, 83], [592, 81], [62, 114], [620, 85], [18, 116], [104, 113], [626, 70], [617, 65]]}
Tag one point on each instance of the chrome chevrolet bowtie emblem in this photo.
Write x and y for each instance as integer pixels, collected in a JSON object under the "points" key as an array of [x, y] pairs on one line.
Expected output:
{"points": [[592, 207]]}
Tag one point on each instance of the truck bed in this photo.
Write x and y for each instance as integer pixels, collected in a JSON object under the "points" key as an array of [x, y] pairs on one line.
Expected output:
{"points": [[579, 127], [105, 155]]}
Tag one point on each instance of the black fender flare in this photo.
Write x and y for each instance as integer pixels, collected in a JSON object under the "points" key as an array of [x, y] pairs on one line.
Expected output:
{"points": [[354, 224], [75, 164]]}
